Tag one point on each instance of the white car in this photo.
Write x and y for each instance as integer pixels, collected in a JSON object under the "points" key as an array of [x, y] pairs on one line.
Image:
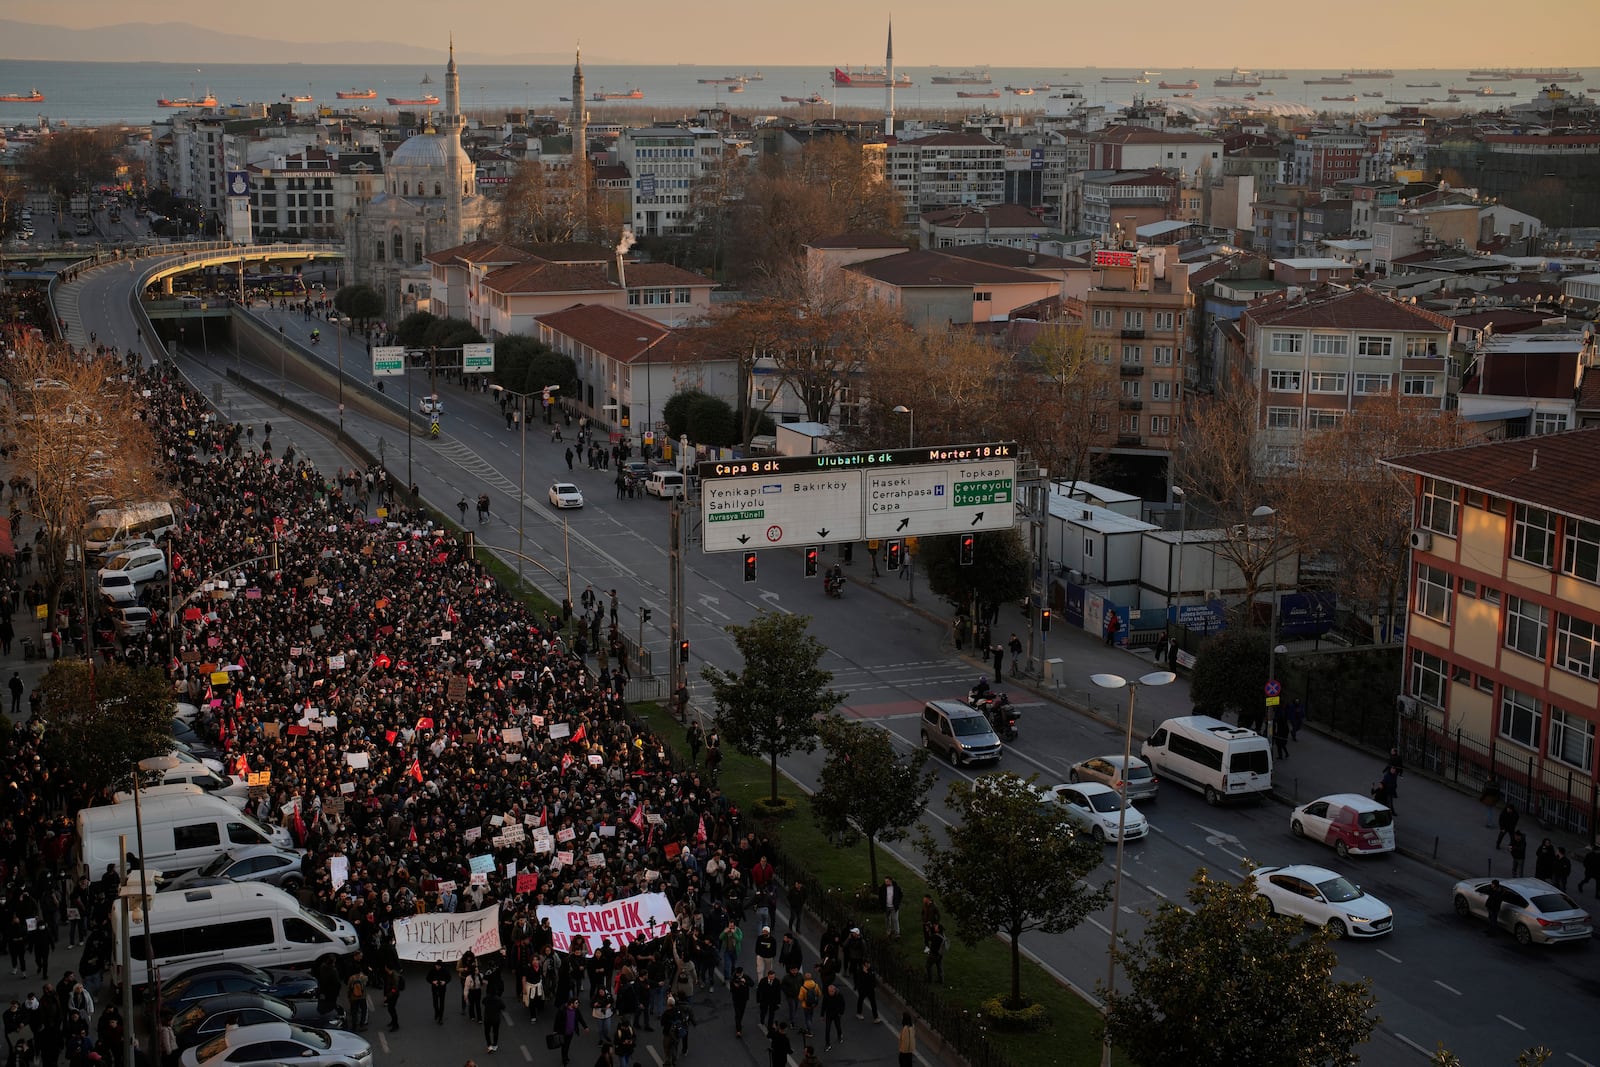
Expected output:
{"points": [[1095, 807], [1323, 898], [119, 590], [279, 1043], [1107, 770], [144, 565], [565, 495], [431, 405], [1536, 912], [133, 621]]}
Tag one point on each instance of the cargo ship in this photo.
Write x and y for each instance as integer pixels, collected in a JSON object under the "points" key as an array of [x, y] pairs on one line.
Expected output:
{"points": [[33, 96], [1341, 80], [964, 77], [631, 94], [1238, 79], [1190, 84], [986, 94], [1387, 75], [422, 101], [183, 101], [815, 99], [868, 78], [357, 94]]}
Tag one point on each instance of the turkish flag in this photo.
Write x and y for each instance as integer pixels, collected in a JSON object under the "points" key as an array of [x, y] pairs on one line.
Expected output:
{"points": [[416, 771], [425, 723], [637, 818], [700, 834], [578, 735]]}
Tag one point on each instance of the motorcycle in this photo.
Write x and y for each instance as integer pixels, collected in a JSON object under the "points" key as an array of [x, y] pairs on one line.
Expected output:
{"points": [[316, 338], [833, 585], [997, 708]]}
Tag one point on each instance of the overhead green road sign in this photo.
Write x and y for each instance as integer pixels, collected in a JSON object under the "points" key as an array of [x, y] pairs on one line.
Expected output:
{"points": [[477, 359], [388, 361]]}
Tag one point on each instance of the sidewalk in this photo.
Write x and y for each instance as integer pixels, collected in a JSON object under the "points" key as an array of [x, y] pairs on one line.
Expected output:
{"points": [[1436, 823]]}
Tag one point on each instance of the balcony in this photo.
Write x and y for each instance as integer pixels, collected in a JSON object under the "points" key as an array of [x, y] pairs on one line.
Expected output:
{"points": [[1133, 335], [1132, 370], [1127, 404], [1130, 440]]}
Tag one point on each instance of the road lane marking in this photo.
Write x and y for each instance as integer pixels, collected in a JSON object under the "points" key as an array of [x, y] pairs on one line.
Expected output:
{"points": [[1577, 1060], [383, 1039], [1413, 1044], [1447, 988], [525, 1053], [1511, 1022], [1098, 925], [1392, 959]]}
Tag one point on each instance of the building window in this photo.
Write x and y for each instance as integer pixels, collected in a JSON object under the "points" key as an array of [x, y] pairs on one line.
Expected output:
{"points": [[1372, 384], [682, 296], [1549, 422], [1324, 419], [1580, 550], [1417, 385], [1130, 389], [1519, 717], [1133, 320], [1283, 418], [1533, 536], [1421, 347], [1427, 678], [1328, 381], [1433, 593], [1441, 512], [1163, 320], [1161, 355], [1161, 424], [1527, 626], [982, 297], [1374, 345], [1329, 344], [1102, 317], [1132, 354], [1283, 381], [1286, 344], [1571, 739], [1160, 390], [1576, 643], [399, 246]]}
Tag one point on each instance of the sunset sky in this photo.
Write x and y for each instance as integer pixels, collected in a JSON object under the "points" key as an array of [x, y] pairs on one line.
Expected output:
{"points": [[1155, 34]]}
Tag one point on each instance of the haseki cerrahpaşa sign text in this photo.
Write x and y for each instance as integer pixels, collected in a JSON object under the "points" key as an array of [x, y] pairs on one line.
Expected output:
{"points": [[783, 501]]}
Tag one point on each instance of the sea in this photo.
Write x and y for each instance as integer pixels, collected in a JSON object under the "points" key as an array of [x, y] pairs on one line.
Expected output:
{"points": [[92, 94]]}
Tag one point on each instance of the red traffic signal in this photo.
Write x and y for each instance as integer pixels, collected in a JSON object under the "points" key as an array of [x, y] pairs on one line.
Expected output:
{"points": [[1044, 621], [683, 651], [749, 566], [812, 552], [894, 555], [969, 544]]}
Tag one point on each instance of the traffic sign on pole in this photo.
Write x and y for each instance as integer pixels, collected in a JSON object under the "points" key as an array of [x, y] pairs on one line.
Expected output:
{"points": [[477, 359], [388, 361], [1274, 688]]}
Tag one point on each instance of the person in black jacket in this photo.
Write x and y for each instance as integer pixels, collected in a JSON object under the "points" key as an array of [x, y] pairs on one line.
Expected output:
{"points": [[779, 1045], [739, 989], [867, 990], [494, 1009], [769, 997]]}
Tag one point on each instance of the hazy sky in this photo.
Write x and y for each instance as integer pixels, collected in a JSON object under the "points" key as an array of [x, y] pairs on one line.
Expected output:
{"points": [[1158, 34]]}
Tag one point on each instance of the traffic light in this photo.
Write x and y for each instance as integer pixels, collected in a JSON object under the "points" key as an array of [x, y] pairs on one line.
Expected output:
{"points": [[811, 561], [749, 566], [894, 556], [969, 543], [683, 651], [1044, 621]]}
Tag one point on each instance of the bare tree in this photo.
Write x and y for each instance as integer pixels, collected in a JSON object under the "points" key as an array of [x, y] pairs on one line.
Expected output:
{"points": [[1062, 402], [81, 442]]}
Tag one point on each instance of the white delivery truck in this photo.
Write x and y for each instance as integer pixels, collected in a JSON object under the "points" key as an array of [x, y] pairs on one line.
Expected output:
{"points": [[239, 922], [184, 827], [154, 520]]}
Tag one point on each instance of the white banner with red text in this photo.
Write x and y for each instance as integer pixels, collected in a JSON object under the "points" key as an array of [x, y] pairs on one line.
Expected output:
{"points": [[641, 918], [438, 935]]}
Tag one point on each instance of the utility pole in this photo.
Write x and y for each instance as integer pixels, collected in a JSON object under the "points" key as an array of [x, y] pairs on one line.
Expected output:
{"points": [[675, 577], [1036, 492]]}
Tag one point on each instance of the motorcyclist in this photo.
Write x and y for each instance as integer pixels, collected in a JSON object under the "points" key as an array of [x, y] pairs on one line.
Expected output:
{"points": [[980, 692], [316, 336], [833, 581], [998, 713]]}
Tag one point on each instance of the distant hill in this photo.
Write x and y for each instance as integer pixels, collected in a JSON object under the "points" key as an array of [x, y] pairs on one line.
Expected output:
{"points": [[177, 42]]}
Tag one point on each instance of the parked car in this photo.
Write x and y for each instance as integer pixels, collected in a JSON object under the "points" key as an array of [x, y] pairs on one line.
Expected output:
{"points": [[144, 565], [203, 1020], [565, 495], [1107, 770], [280, 1043], [254, 863], [431, 405], [1351, 823], [132, 621], [639, 468], [1323, 898], [127, 544], [1535, 912], [1097, 808], [215, 979], [119, 590]]}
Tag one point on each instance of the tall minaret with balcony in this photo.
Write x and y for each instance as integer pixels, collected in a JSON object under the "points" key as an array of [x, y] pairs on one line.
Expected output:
{"points": [[450, 127], [579, 123], [888, 67]]}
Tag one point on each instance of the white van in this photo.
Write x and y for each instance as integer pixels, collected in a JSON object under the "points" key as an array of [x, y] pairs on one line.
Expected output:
{"points": [[184, 827], [154, 520], [232, 788], [664, 484], [1209, 756], [240, 922]]}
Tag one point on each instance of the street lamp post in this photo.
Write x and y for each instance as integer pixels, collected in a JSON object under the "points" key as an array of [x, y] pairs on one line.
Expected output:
{"points": [[1272, 648], [1116, 681], [1183, 520], [648, 425], [911, 424]]}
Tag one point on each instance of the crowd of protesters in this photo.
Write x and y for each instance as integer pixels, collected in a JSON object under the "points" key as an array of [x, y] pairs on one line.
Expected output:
{"points": [[405, 712]]}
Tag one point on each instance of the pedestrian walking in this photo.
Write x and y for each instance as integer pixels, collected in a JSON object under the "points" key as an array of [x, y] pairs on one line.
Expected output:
{"points": [[1388, 788], [393, 983], [494, 1010], [356, 991], [17, 688], [999, 654], [1544, 861], [1591, 870], [569, 457], [739, 989], [908, 1040], [483, 508], [890, 896], [832, 1017], [1015, 644], [1519, 852], [778, 1045], [1493, 898], [1508, 823], [769, 995], [461, 506], [1113, 624], [1490, 799], [438, 986], [568, 1021], [1280, 733], [937, 943], [867, 990], [1563, 869]]}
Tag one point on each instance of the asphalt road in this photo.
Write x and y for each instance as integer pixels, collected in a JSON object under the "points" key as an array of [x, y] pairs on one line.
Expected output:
{"points": [[1436, 978]]}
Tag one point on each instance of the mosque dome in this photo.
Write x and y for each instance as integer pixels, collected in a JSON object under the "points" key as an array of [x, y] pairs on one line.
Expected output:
{"points": [[424, 159]]}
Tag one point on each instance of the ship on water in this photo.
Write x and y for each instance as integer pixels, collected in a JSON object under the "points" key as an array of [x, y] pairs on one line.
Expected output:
{"points": [[630, 94], [976, 94], [868, 78], [33, 96], [964, 77], [1238, 78], [357, 94], [1386, 75], [183, 101]]}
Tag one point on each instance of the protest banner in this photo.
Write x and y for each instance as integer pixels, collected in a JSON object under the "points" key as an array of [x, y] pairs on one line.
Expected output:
{"points": [[640, 918], [435, 936]]}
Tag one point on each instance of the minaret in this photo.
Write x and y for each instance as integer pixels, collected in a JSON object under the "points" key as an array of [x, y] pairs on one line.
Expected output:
{"points": [[888, 66], [579, 124], [450, 129]]}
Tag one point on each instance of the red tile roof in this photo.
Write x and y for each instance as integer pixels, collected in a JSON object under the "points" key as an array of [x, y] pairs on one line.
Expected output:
{"points": [[1359, 309], [1547, 471], [539, 276], [1146, 135], [479, 252], [858, 240], [939, 269], [641, 275], [1020, 258], [624, 336], [1000, 215], [952, 140]]}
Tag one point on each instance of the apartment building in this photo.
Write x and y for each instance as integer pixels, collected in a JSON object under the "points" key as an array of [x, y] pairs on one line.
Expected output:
{"points": [[1137, 311], [1316, 359], [946, 170], [1116, 203], [310, 195], [1320, 160], [666, 162], [1143, 148], [1503, 633], [1519, 384]]}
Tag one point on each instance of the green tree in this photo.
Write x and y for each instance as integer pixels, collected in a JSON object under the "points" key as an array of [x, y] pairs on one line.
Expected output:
{"points": [[1014, 863], [102, 720], [360, 302], [1223, 983], [675, 412], [450, 333], [1528, 1057], [865, 789], [770, 708], [1230, 674], [70, 161], [999, 570], [414, 327], [526, 365], [712, 422]]}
